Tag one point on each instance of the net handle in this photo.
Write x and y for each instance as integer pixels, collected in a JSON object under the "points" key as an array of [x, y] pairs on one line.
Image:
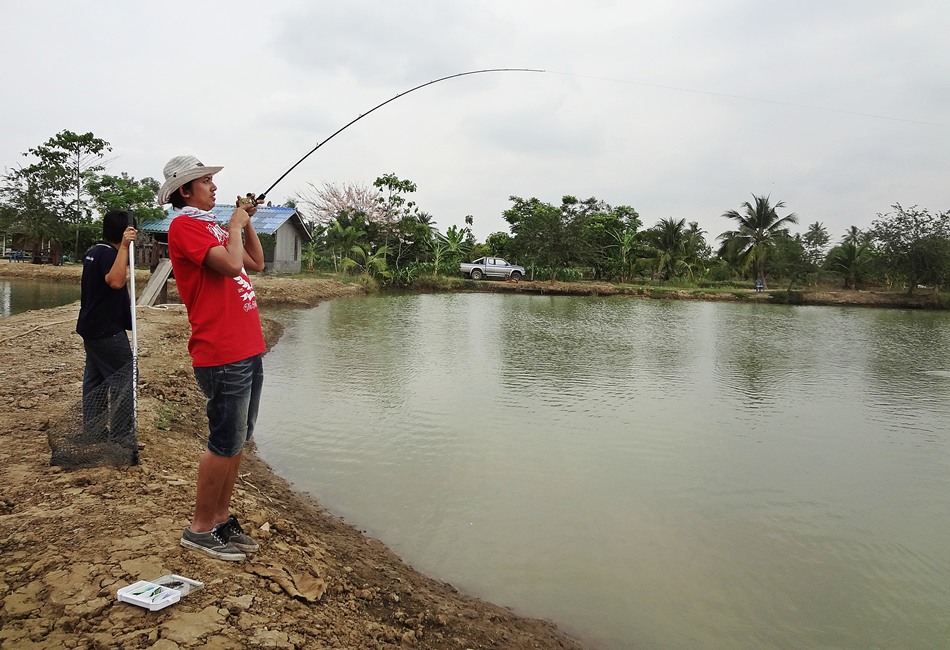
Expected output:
{"points": [[135, 344]]}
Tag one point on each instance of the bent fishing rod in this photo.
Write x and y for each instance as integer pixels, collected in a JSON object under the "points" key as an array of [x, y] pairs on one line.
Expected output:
{"points": [[263, 195]]}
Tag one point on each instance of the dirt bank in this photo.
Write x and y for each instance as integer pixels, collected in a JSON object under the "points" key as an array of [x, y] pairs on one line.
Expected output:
{"points": [[892, 299], [70, 539]]}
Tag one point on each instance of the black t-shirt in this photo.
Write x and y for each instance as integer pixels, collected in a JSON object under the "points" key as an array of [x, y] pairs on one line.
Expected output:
{"points": [[104, 311]]}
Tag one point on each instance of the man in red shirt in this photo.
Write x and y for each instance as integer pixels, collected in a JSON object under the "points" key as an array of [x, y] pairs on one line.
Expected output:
{"points": [[210, 265]]}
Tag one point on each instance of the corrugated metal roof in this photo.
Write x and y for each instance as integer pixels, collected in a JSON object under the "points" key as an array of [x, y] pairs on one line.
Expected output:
{"points": [[266, 221]]}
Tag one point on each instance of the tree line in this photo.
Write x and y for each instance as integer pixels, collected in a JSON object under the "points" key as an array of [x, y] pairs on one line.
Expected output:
{"points": [[56, 201], [381, 234]]}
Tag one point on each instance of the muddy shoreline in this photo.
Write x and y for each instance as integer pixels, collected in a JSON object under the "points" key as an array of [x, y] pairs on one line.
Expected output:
{"points": [[70, 539]]}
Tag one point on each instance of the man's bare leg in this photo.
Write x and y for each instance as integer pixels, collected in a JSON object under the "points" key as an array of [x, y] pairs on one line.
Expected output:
{"points": [[216, 476]]}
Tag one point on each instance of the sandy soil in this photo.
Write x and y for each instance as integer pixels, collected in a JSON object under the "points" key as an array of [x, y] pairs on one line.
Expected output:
{"points": [[70, 539]]}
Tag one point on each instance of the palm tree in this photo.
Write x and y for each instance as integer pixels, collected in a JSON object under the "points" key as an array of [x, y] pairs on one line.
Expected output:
{"points": [[370, 263], [759, 224], [667, 241], [815, 240], [340, 240], [857, 236], [426, 220], [852, 260]]}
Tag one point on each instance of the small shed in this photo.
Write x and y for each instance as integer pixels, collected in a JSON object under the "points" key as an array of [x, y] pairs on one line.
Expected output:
{"points": [[283, 224]]}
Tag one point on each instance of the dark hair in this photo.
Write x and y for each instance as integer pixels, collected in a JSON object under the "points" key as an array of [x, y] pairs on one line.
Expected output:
{"points": [[114, 224], [178, 201]]}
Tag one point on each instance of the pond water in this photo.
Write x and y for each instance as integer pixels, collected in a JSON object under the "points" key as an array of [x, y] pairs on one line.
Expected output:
{"points": [[647, 474], [18, 295]]}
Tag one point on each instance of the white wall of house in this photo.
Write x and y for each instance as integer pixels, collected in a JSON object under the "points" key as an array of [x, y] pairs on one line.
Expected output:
{"points": [[286, 250]]}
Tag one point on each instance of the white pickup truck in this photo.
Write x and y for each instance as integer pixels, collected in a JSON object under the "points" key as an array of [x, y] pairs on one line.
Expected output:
{"points": [[491, 267]]}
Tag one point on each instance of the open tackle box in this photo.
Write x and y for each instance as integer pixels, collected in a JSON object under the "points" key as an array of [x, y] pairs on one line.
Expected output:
{"points": [[157, 594]]}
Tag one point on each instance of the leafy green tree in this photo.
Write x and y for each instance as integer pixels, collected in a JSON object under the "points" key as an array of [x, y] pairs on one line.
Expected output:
{"points": [[500, 244], [537, 231], [65, 166], [788, 259], [29, 210], [915, 245], [600, 235], [123, 192], [410, 240], [758, 226], [392, 199], [549, 236]]}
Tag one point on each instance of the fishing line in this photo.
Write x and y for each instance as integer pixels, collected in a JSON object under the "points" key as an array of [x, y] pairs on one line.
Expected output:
{"points": [[263, 194], [748, 99]]}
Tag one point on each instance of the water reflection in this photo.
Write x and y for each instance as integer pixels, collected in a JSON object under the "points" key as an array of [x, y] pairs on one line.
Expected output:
{"points": [[648, 474], [17, 296]]}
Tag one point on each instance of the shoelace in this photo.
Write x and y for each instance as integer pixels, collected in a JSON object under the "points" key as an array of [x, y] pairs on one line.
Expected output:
{"points": [[234, 527], [217, 536]]}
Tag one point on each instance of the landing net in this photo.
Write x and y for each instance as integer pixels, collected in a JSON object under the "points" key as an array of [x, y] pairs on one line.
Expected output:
{"points": [[101, 429]]}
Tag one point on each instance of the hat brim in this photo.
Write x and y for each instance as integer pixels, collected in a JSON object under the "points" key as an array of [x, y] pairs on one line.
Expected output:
{"points": [[172, 184]]}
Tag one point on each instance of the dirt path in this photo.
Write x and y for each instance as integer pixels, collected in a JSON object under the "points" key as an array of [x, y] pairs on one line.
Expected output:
{"points": [[70, 539]]}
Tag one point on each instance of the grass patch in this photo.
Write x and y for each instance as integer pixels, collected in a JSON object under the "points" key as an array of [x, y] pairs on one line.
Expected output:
{"points": [[166, 415]]}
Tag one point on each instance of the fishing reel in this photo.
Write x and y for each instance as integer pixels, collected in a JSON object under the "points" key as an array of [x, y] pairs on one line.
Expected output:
{"points": [[246, 201]]}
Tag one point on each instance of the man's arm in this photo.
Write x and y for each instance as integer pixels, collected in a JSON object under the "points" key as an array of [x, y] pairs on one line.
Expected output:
{"points": [[229, 260], [119, 273]]}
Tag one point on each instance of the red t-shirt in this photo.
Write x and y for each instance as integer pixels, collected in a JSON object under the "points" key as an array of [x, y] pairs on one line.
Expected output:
{"points": [[225, 324]]}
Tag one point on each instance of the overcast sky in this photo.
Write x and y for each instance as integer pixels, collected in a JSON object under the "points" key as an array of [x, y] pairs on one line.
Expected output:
{"points": [[683, 109]]}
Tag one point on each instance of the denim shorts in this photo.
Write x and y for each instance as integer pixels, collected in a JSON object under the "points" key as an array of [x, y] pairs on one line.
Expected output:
{"points": [[234, 396]]}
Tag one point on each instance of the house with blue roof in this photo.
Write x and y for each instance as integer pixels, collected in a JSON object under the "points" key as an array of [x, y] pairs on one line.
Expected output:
{"points": [[286, 226]]}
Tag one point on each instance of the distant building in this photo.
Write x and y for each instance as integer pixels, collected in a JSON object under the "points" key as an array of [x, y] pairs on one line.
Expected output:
{"points": [[284, 224]]}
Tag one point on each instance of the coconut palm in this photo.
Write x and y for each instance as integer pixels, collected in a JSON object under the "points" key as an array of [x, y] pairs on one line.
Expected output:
{"points": [[426, 220], [852, 260], [857, 236], [667, 243], [759, 224], [815, 240]]}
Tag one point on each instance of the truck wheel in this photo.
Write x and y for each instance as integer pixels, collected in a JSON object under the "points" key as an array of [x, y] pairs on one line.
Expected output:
{"points": [[515, 275], [476, 274]]}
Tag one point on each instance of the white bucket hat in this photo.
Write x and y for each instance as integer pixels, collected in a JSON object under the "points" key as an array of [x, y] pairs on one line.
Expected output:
{"points": [[180, 170]]}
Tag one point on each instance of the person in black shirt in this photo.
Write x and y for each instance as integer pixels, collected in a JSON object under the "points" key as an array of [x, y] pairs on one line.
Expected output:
{"points": [[105, 313]]}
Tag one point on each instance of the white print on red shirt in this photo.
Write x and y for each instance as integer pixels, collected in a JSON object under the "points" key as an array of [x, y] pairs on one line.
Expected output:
{"points": [[244, 283]]}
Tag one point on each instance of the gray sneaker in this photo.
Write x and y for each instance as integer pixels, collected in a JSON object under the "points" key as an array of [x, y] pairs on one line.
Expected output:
{"points": [[211, 543], [231, 531]]}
